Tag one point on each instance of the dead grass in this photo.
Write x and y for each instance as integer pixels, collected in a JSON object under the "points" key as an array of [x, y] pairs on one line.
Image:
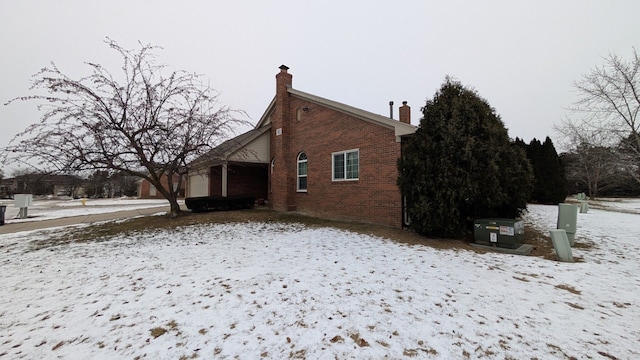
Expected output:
{"points": [[575, 306], [568, 288], [541, 242], [358, 340], [101, 232], [158, 331]]}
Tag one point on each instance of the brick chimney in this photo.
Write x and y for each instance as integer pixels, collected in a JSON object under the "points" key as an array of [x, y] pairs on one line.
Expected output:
{"points": [[283, 178], [405, 113], [283, 78]]}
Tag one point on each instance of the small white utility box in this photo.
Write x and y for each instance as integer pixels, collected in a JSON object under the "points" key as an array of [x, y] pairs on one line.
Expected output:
{"points": [[23, 201]]}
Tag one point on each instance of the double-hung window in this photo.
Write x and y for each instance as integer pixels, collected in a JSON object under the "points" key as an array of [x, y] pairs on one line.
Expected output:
{"points": [[346, 165], [302, 172]]}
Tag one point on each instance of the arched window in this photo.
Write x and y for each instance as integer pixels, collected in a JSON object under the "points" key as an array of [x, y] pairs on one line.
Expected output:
{"points": [[302, 172]]}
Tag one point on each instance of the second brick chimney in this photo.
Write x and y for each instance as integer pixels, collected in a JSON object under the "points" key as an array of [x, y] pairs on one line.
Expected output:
{"points": [[405, 113]]}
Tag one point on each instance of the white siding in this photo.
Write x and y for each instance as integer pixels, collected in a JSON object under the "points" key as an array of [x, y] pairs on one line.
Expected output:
{"points": [[256, 151], [198, 184]]}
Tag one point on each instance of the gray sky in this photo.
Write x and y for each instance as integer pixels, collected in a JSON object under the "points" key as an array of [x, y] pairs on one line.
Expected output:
{"points": [[522, 56]]}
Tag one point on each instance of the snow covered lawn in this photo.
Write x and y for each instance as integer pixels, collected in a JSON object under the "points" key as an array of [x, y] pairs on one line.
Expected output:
{"points": [[274, 290], [55, 209]]}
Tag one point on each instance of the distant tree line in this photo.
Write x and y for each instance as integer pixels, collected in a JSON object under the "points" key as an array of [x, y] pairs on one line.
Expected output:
{"points": [[550, 182], [589, 167], [599, 171], [97, 184]]}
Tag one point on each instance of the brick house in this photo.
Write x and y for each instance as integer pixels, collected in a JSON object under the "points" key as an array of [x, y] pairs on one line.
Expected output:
{"points": [[148, 191], [314, 156]]}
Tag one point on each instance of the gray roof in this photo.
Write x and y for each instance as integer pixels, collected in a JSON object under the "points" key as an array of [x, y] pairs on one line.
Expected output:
{"points": [[223, 151], [400, 128]]}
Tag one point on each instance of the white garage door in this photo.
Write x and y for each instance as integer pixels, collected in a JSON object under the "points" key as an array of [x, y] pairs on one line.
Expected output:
{"points": [[198, 185]]}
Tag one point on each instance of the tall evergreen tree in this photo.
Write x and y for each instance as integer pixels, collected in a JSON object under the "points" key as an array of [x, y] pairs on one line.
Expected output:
{"points": [[460, 165], [556, 179], [550, 179], [520, 143]]}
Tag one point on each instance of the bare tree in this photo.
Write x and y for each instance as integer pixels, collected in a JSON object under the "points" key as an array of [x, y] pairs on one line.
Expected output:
{"points": [[610, 103], [592, 167], [149, 122], [591, 158]]}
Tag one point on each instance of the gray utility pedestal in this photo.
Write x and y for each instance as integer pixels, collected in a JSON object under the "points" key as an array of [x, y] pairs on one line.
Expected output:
{"points": [[568, 220], [561, 245], [584, 206]]}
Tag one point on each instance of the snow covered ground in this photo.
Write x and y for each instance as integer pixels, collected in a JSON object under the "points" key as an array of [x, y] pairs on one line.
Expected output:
{"points": [[273, 290], [60, 208]]}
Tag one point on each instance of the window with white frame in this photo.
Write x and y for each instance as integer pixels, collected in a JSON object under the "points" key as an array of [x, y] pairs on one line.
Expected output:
{"points": [[345, 165], [302, 172]]}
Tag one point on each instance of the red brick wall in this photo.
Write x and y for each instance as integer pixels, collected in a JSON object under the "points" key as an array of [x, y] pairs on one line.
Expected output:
{"points": [[144, 189], [319, 132], [247, 179], [242, 179], [215, 181]]}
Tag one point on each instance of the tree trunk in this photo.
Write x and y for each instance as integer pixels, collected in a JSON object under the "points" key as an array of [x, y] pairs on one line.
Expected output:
{"points": [[175, 207]]}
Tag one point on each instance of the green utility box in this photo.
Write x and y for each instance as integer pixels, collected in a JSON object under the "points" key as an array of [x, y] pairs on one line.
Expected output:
{"points": [[506, 233]]}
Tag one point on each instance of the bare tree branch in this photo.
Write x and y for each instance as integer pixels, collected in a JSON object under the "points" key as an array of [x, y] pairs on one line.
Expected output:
{"points": [[609, 105]]}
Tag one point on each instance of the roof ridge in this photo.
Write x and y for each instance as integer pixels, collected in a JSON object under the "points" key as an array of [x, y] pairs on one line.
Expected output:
{"points": [[399, 127]]}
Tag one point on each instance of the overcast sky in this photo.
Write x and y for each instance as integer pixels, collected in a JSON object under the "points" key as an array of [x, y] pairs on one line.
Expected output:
{"points": [[521, 56]]}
